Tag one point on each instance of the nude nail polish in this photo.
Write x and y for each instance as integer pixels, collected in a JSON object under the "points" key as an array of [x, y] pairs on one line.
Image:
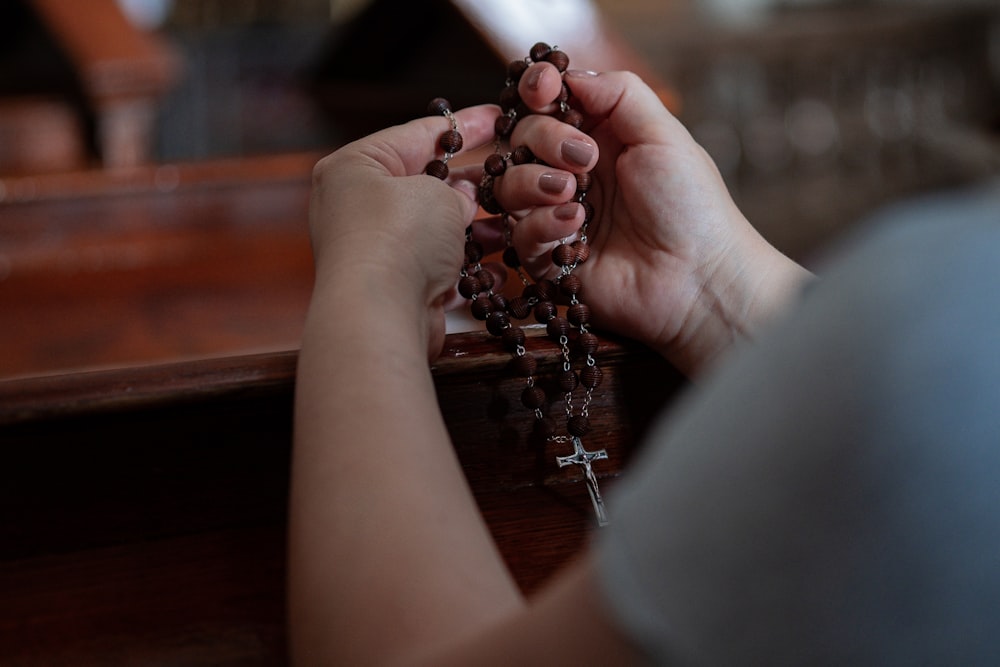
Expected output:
{"points": [[553, 183], [577, 152]]}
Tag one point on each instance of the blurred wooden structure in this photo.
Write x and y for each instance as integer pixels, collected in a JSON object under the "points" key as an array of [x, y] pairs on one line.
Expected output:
{"points": [[102, 104]]}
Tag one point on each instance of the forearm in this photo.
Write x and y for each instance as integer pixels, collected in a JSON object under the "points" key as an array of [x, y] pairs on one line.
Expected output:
{"points": [[387, 548]]}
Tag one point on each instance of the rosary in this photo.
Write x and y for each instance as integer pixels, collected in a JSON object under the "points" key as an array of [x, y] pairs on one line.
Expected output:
{"points": [[539, 298]]}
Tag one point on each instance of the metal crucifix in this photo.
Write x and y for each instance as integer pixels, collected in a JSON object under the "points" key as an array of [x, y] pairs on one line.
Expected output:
{"points": [[581, 457]]}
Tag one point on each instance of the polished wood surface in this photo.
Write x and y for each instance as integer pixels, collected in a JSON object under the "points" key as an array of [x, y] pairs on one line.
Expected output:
{"points": [[144, 508]]}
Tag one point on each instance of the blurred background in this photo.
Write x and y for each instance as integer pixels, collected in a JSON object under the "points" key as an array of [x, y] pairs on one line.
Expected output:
{"points": [[140, 134]]}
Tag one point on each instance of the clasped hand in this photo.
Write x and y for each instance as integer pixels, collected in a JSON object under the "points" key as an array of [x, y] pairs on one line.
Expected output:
{"points": [[674, 264]]}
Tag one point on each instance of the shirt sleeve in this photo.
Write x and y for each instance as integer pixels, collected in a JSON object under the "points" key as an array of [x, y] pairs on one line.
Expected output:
{"points": [[829, 495]]}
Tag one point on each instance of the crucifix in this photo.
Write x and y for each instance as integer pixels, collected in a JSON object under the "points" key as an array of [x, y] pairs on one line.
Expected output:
{"points": [[583, 458]]}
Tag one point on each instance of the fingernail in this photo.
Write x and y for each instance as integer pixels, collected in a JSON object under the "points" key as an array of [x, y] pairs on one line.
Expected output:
{"points": [[577, 152], [553, 183], [566, 211], [533, 76], [580, 72]]}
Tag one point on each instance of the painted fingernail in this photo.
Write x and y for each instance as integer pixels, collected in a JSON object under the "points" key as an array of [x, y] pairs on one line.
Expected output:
{"points": [[580, 72], [533, 76], [553, 183], [577, 152], [566, 211]]}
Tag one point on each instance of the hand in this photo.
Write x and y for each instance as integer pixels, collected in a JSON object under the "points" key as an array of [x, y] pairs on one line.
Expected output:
{"points": [[384, 233], [674, 263]]}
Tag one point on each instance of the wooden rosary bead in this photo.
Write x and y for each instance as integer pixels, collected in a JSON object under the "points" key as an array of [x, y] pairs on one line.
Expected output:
{"points": [[503, 126], [530, 292], [512, 337], [486, 280], [583, 182], [469, 287], [563, 255], [570, 284], [451, 141], [572, 117], [437, 169], [578, 314], [557, 327], [499, 302], [539, 51], [496, 322], [515, 68], [567, 380], [559, 59], [519, 307], [578, 425], [546, 290], [509, 98], [587, 343], [533, 397], [486, 199], [588, 211], [481, 308], [545, 311], [524, 365], [522, 155], [473, 252], [438, 106], [590, 376], [495, 165], [582, 251], [510, 258]]}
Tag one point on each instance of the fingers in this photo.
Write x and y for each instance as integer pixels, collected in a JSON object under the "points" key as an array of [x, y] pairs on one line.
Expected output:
{"points": [[540, 86], [404, 150], [634, 111]]}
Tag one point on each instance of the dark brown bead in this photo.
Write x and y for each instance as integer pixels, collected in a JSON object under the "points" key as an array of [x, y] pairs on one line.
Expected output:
{"points": [[557, 327], [468, 286], [539, 51], [587, 343], [496, 322], [519, 307], [559, 59], [437, 169], [510, 257], [578, 313], [572, 117], [487, 200], [486, 280], [504, 125], [499, 302], [588, 211], [563, 255], [522, 155], [451, 141], [513, 337], [582, 251], [495, 165], [570, 284], [473, 252], [530, 292], [583, 182], [481, 308], [567, 380], [509, 98], [533, 397], [546, 290], [545, 311], [545, 427], [438, 106], [591, 376], [578, 425], [524, 365], [515, 68]]}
